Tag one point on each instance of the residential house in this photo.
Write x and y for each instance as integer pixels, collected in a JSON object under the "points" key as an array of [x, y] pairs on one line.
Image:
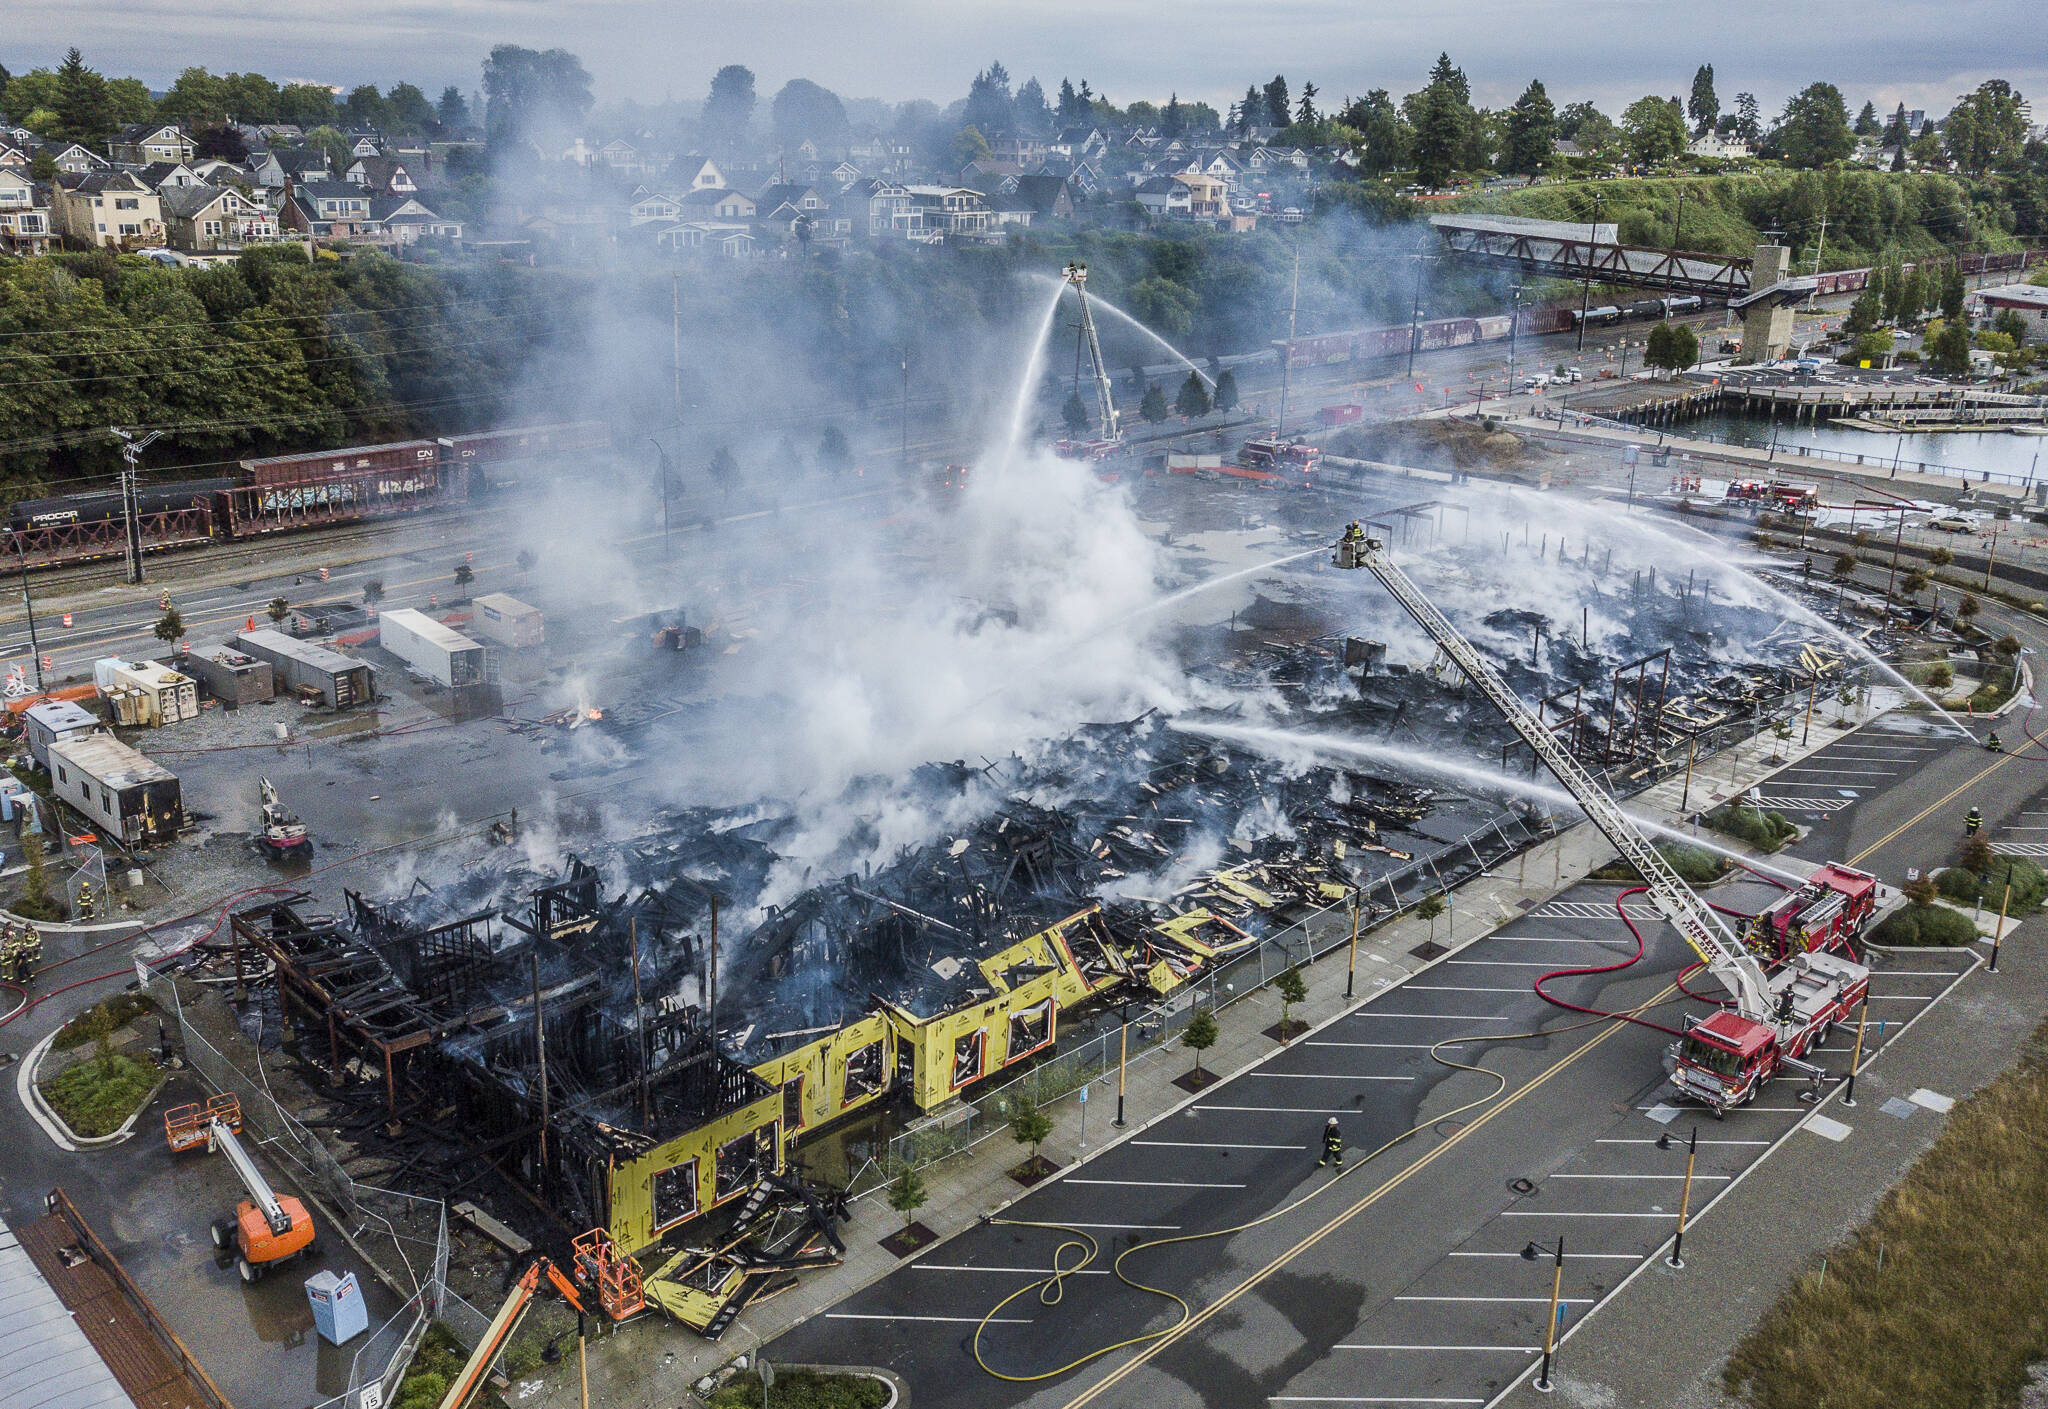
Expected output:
{"points": [[141, 143], [72, 157], [280, 167], [949, 210], [11, 155], [161, 175], [705, 177], [1025, 152], [1208, 198], [712, 204], [402, 220], [366, 144], [1080, 144], [1162, 197], [888, 205], [1728, 148], [329, 210], [2029, 301], [1049, 196], [799, 199], [623, 157], [24, 213], [207, 219], [218, 171], [844, 174], [1083, 178], [652, 207], [707, 237], [107, 209], [387, 176], [1011, 209], [1224, 167]]}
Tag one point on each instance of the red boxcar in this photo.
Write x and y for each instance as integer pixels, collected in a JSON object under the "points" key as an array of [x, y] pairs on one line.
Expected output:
{"points": [[331, 464]]}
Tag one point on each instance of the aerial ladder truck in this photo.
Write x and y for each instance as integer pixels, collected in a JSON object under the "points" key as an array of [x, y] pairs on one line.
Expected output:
{"points": [[1076, 274], [1725, 1058], [612, 1281]]}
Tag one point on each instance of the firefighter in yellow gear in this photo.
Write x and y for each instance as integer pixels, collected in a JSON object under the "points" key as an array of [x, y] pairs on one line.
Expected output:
{"points": [[1973, 822], [1991, 742], [1333, 1145], [85, 903]]}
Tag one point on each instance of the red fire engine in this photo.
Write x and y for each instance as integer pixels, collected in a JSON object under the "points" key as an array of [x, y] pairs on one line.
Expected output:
{"points": [[1776, 493], [1275, 455], [1828, 912]]}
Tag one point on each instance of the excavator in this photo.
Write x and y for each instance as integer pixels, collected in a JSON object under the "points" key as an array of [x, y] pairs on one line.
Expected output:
{"points": [[281, 833], [1775, 1018], [268, 1228], [599, 1273]]}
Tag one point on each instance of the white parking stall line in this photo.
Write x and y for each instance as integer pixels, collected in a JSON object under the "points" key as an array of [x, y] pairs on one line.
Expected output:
{"points": [[1562, 1213], [1454, 988], [1212, 1145], [1320, 1076], [1027, 1271], [1280, 1110], [1437, 1017], [1576, 1256], [2016, 828], [1152, 1184], [941, 1320], [1382, 1046], [1650, 1140], [1503, 964], [1364, 1399], [1586, 910], [1844, 772], [1513, 1349], [1506, 1300]]}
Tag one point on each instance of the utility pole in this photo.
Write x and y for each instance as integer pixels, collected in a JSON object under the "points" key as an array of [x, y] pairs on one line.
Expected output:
{"points": [[28, 605], [905, 452], [1819, 244], [1514, 327], [1287, 359], [1415, 313], [675, 356], [1586, 297], [131, 455], [1678, 225]]}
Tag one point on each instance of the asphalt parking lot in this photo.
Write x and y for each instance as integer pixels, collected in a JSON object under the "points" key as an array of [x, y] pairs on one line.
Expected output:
{"points": [[1400, 1281]]}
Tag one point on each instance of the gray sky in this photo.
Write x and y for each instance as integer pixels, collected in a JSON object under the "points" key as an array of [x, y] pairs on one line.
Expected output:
{"points": [[1921, 51]]}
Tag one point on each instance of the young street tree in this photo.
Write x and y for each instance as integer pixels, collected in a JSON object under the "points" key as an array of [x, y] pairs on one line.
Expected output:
{"points": [[1292, 989], [170, 626], [1029, 1125], [1199, 1035], [279, 609], [1431, 907], [907, 1193]]}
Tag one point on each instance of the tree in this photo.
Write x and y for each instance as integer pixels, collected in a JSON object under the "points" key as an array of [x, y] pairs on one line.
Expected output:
{"points": [[36, 902], [1986, 128], [1075, 413], [373, 591], [1384, 138], [1275, 94], [464, 574], [833, 451], [1863, 313], [1531, 131], [907, 1193], [409, 109], [968, 146], [83, 112], [1033, 113], [990, 105], [1224, 398], [1749, 120], [1814, 131], [1173, 119], [1654, 129], [1292, 989], [226, 143], [1948, 351], [2011, 324], [804, 111], [1702, 106], [1914, 584], [1029, 1125], [1968, 607], [1153, 407], [1912, 295], [1941, 557], [1249, 110], [1673, 347], [279, 609], [1305, 113], [452, 111], [1866, 121], [1845, 565], [1199, 1035], [532, 96], [366, 107], [128, 101], [169, 627], [1193, 399], [1952, 293], [4, 77], [1072, 107], [305, 105], [1431, 907], [1588, 127], [1444, 123], [1976, 855], [1922, 891]]}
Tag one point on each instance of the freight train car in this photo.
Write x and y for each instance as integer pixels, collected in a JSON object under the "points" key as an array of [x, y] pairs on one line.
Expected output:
{"points": [[1395, 339], [505, 459]]}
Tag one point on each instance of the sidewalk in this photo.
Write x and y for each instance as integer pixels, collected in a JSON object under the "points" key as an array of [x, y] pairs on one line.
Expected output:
{"points": [[975, 1183]]}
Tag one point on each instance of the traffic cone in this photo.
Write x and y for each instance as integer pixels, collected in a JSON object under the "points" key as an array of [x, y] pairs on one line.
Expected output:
{"points": [[251, 624]]}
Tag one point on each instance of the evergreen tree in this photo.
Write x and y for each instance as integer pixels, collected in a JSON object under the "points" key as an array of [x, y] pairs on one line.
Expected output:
{"points": [[1305, 111], [1173, 119], [1071, 109], [1912, 296], [1442, 117], [1864, 313], [1034, 116], [1814, 129], [1249, 109], [1952, 293], [1948, 352], [1702, 106], [1749, 122], [1153, 407], [1895, 133], [1531, 131], [729, 108], [1224, 399], [1193, 399], [83, 111], [1866, 121], [452, 110], [1075, 413], [1277, 111], [169, 627]]}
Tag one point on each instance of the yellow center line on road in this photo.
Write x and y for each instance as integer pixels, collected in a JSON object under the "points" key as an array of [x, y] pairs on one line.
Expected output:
{"points": [[1340, 1219], [1917, 818]]}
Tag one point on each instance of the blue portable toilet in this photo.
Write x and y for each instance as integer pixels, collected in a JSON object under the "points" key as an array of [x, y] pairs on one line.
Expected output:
{"points": [[339, 1312]]}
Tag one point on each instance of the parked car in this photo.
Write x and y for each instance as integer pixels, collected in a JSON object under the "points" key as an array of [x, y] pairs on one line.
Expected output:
{"points": [[1571, 376], [1953, 523], [1537, 382]]}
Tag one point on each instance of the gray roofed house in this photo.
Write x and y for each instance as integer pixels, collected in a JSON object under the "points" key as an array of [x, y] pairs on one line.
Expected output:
{"points": [[45, 1360]]}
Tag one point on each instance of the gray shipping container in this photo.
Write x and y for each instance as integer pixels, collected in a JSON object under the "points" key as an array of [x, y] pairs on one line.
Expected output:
{"points": [[233, 677], [437, 651], [124, 793], [44, 724], [340, 680], [507, 620]]}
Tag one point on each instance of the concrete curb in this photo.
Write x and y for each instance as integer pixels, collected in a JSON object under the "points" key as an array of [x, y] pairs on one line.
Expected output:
{"points": [[46, 1114]]}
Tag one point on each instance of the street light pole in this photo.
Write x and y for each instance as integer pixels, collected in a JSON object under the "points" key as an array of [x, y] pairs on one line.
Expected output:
{"points": [[1530, 1254], [1123, 1053], [1676, 1259], [1514, 326], [1586, 298], [28, 604], [1351, 965]]}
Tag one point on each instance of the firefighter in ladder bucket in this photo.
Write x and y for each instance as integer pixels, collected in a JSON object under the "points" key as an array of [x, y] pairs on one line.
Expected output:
{"points": [[1333, 1145]]}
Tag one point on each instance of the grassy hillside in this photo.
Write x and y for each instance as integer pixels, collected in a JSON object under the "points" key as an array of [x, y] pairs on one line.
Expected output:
{"points": [[1866, 211]]}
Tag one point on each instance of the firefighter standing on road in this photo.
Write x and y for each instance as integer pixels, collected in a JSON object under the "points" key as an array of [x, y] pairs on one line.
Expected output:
{"points": [[1973, 822], [1333, 1145], [1991, 742]]}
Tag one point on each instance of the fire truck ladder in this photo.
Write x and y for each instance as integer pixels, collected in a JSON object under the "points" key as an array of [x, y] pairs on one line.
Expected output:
{"points": [[1077, 275], [1705, 931]]}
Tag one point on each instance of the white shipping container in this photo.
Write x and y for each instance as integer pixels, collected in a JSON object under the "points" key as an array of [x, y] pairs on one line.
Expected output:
{"points": [[508, 621], [435, 650], [124, 793], [168, 697]]}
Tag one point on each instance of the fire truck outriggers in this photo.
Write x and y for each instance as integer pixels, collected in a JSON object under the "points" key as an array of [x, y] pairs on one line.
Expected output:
{"points": [[1776, 1017]]}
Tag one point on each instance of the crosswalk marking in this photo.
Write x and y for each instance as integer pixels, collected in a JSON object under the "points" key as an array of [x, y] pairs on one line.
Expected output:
{"points": [[1587, 910], [2020, 848], [1807, 804]]}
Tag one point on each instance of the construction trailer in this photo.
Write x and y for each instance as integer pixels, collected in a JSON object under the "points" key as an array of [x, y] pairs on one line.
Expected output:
{"points": [[508, 621], [147, 692], [233, 677], [433, 649], [311, 672], [134, 799], [46, 723]]}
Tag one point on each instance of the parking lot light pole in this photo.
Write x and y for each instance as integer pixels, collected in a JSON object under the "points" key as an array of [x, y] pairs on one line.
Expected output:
{"points": [[1856, 1056], [1351, 965], [1530, 1254], [1676, 1259], [1123, 1052]]}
